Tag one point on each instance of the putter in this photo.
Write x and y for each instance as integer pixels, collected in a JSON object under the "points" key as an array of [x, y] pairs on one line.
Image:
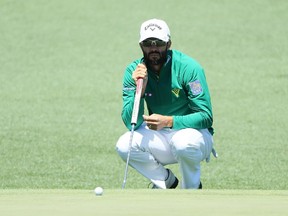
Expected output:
{"points": [[133, 123]]}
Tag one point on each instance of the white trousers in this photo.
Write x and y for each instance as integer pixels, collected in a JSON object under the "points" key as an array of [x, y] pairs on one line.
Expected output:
{"points": [[152, 150]]}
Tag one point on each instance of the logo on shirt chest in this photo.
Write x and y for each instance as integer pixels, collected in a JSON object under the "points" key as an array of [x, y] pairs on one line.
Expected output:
{"points": [[176, 92]]}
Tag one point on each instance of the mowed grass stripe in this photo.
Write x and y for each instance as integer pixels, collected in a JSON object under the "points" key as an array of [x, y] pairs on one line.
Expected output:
{"points": [[143, 202]]}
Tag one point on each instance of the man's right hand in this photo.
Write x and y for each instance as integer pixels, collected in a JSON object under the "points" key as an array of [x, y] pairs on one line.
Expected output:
{"points": [[141, 73]]}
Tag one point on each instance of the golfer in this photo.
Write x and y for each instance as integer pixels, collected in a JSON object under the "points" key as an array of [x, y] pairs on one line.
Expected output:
{"points": [[176, 127]]}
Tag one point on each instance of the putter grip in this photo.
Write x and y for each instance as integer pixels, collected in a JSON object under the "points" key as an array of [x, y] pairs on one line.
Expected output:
{"points": [[137, 101]]}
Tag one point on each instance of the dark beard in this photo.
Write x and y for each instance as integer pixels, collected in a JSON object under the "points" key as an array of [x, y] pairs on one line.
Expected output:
{"points": [[160, 61]]}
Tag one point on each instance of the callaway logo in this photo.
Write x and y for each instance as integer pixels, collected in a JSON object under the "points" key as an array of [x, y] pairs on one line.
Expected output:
{"points": [[151, 25]]}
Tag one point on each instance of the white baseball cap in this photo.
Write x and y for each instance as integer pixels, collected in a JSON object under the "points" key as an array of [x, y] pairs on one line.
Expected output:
{"points": [[154, 28]]}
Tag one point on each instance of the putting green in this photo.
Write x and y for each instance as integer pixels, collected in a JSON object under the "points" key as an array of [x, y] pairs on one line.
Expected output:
{"points": [[143, 202]]}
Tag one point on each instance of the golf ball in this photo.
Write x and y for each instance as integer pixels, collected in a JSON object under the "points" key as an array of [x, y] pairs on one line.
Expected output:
{"points": [[98, 191]]}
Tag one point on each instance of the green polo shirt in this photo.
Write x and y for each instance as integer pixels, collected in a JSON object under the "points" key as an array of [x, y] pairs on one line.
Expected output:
{"points": [[180, 91]]}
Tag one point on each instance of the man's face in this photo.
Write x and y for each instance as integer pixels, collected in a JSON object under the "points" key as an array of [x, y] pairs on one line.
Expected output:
{"points": [[154, 51]]}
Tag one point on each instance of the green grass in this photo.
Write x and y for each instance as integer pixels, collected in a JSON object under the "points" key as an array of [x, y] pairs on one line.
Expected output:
{"points": [[61, 68], [144, 202]]}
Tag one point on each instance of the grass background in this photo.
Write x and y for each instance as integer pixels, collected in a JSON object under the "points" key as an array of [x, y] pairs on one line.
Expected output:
{"points": [[61, 67]]}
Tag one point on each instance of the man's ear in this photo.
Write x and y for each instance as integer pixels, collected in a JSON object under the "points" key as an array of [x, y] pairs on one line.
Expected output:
{"points": [[169, 44]]}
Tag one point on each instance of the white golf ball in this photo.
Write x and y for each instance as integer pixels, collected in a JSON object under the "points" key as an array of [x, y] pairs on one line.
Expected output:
{"points": [[98, 191]]}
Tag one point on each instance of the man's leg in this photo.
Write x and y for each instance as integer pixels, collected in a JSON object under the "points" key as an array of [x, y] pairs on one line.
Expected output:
{"points": [[149, 153], [190, 147]]}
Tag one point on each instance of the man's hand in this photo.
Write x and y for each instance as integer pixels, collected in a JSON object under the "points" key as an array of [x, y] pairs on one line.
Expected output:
{"points": [[141, 73], [157, 122]]}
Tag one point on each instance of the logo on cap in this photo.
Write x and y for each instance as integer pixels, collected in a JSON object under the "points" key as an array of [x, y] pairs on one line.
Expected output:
{"points": [[151, 25]]}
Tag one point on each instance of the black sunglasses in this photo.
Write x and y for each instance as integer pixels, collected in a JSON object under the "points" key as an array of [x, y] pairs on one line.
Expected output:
{"points": [[149, 43]]}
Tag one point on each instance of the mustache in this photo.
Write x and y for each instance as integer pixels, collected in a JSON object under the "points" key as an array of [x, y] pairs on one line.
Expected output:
{"points": [[154, 52]]}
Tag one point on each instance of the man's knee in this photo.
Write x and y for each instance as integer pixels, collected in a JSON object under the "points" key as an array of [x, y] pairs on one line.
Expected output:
{"points": [[188, 152], [188, 144], [122, 146]]}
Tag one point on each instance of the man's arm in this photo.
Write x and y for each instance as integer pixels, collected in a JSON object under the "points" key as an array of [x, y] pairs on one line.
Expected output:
{"points": [[199, 102], [128, 95]]}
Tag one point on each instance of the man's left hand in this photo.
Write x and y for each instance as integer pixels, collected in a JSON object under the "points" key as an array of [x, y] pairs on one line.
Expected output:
{"points": [[157, 122]]}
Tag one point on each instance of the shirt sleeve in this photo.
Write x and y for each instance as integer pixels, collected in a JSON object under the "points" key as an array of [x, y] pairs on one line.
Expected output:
{"points": [[196, 88], [128, 95]]}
